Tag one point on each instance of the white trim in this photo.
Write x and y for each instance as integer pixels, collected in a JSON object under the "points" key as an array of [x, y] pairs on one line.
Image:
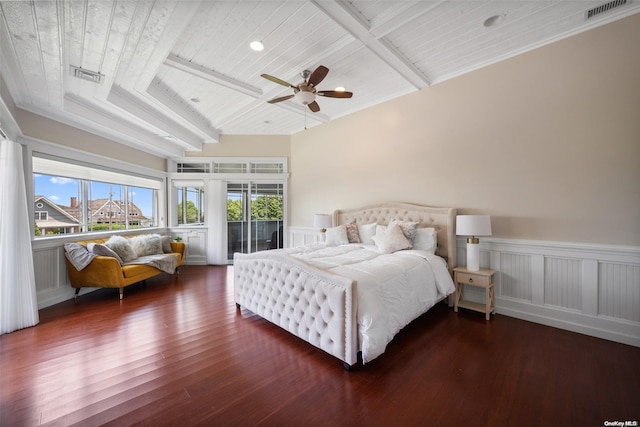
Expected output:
{"points": [[82, 157], [60, 167]]}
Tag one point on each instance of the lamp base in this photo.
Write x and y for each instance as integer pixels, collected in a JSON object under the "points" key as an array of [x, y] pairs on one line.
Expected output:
{"points": [[473, 256]]}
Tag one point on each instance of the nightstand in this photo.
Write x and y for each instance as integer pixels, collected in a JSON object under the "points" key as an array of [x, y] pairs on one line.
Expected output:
{"points": [[481, 279]]}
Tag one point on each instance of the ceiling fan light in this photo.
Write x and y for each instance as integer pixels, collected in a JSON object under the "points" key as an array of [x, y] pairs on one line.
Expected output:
{"points": [[305, 97], [340, 89], [256, 45]]}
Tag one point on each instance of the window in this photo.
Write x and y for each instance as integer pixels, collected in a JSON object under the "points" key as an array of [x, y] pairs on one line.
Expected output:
{"points": [[68, 202], [190, 205], [234, 165], [193, 167]]}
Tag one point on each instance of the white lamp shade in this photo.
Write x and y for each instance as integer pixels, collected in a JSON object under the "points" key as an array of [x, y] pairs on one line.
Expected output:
{"points": [[473, 225], [322, 221]]}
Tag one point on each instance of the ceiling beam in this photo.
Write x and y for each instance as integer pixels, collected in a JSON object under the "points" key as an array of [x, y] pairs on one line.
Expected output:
{"points": [[211, 75], [139, 108], [201, 124], [96, 120], [345, 16]]}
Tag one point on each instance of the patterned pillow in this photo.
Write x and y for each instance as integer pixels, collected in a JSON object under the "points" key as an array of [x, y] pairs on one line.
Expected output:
{"points": [[408, 228], [390, 239], [352, 233], [122, 247]]}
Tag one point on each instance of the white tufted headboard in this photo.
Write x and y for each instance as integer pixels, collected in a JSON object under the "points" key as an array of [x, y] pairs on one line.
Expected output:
{"points": [[442, 219]]}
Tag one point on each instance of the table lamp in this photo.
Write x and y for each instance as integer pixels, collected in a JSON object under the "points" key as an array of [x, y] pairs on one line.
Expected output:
{"points": [[473, 226], [322, 221]]}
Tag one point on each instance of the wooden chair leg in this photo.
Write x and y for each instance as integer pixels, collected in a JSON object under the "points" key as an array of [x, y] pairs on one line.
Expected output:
{"points": [[121, 293], [76, 295]]}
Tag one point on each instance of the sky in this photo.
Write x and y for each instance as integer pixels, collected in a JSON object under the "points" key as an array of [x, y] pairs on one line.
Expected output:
{"points": [[60, 190]]}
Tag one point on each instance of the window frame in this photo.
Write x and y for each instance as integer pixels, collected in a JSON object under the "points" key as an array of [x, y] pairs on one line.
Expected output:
{"points": [[87, 173]]}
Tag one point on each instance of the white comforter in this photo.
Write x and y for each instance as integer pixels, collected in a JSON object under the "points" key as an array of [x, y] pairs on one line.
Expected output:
{"points": [[393, 289]]}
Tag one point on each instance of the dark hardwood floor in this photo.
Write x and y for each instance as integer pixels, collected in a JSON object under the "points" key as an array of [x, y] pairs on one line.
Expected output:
{"points": [[177, 352]]}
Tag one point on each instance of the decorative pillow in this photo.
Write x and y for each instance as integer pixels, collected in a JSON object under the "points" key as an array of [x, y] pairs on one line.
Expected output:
{"points": [[78, 255], [366, 232], [390, 239], [147, 244], [336, 236], [122, 247], [102, 250], [426, 240], [408, 228], [166, 244], [352, 233]]}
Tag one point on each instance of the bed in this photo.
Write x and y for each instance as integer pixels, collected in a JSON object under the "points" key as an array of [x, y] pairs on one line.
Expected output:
{"points": [[351, 298]]}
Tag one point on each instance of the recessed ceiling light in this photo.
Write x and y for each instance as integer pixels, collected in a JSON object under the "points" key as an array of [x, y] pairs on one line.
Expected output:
{"points": [[494, 20], [340, 89], [196, 99], [257, 46]]}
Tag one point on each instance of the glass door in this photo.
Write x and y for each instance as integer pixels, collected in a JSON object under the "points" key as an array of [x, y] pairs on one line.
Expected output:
{"points": [[255, 217]]}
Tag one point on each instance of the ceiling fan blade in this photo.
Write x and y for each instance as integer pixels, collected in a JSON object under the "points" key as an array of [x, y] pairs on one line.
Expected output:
{"points": [[318, 75], [313, 106], [282, 98], [334, 93], [277, 80]]}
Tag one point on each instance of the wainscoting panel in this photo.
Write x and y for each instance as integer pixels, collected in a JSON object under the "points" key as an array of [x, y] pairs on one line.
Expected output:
{"points": [[300, 236], [196, 244], [45, 262], [50, 270], [515, 277], [563, 283], [619, 291], [591, 289]]}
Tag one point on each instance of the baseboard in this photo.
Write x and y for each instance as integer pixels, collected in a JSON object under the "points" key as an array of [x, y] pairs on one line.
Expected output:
{"points": [[608, 329]]}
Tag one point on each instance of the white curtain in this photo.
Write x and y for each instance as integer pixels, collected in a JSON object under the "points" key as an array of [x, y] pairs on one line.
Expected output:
{"points": [[18, 300]]}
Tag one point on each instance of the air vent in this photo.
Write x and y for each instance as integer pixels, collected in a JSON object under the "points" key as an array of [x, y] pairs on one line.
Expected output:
{"points": [[605, 8], [82, 73]]}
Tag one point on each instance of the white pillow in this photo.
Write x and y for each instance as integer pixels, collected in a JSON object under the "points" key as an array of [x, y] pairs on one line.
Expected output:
{"points": [[122, 247], [146, 244], [426, 240], [366, 232], [390, 239], [336, 236]]}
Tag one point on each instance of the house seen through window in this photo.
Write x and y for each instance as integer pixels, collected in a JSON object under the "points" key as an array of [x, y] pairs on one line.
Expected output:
{"points": [[71, 204]]}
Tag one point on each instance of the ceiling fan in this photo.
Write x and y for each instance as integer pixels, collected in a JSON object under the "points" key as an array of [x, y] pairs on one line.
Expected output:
{"points": [[305, 92]]}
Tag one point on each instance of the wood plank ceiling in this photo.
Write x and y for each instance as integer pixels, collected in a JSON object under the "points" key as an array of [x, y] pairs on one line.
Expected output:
{"points": [[178, 74]]}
